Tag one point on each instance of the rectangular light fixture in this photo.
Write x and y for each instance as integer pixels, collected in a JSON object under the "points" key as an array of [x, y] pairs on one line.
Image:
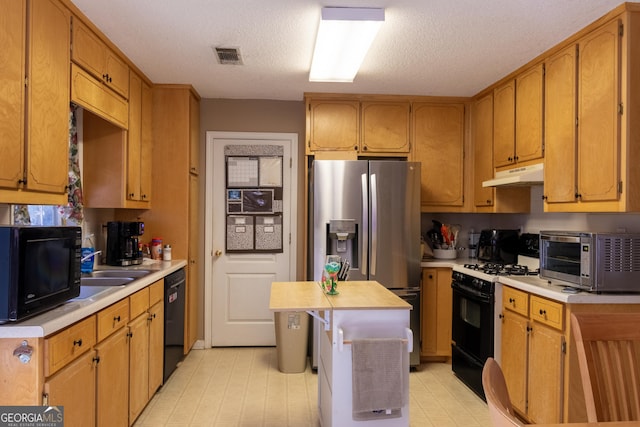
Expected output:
{"points": [[344, 37]]}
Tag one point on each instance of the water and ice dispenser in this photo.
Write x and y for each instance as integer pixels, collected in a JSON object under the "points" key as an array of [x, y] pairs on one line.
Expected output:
{"points": [[342, 240]]}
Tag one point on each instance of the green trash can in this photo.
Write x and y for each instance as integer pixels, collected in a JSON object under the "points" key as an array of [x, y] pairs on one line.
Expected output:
{"points": [[292, 334]]}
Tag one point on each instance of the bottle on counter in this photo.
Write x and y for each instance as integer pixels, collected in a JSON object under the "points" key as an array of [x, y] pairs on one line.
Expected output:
{"points": [[166, 253], [156, 248], [87, 254]]}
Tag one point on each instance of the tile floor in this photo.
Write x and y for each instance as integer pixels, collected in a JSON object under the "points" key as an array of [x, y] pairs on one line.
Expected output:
{"points": [[243, 387]]}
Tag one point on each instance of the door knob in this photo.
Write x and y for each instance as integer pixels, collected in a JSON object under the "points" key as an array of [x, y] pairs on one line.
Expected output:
{"points": [[218, 253]]}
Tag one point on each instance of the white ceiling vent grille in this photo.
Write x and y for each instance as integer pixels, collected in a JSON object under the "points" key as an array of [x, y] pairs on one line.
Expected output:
{"points": [[228, 55]]}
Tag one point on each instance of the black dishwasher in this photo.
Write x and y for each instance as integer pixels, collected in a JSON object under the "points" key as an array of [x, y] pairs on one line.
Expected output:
{"points": [[174, 299]]}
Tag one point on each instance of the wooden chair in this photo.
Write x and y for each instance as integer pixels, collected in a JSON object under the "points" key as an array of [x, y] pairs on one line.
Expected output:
{"points": [[495, 390], [608, 348]]}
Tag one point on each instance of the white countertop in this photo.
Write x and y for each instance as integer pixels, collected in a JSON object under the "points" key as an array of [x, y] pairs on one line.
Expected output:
{"points": [[77, 309], [552, 289]]}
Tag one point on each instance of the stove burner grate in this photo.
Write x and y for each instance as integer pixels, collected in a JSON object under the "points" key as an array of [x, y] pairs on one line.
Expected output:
{"points": [[503, 269]]}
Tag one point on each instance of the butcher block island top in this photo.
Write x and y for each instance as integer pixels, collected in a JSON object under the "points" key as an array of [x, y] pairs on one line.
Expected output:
{"points": [[352, 295]]}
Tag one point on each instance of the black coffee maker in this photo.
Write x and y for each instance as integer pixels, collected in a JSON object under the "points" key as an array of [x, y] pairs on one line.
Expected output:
{"points": [[122, 243]]}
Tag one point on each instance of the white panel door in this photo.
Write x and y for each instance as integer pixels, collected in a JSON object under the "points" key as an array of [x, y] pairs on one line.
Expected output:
{"points": [[238, 285]]}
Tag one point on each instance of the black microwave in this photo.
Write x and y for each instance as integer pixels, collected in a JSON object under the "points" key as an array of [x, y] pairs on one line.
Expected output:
{"points": [[39, 269]]}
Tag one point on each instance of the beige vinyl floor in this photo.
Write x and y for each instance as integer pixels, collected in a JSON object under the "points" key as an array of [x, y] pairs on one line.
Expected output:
{"points": [[243, 387]]}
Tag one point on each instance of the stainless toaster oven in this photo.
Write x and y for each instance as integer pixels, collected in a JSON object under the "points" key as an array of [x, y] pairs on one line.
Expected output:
{"points": [[595, 262]]}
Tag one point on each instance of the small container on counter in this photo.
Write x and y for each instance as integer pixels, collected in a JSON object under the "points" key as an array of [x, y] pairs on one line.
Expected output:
{"points": [[156, 248], [166, 253]]}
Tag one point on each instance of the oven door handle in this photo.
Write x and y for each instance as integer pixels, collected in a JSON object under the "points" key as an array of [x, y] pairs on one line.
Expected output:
{"points": [[466, 291]]}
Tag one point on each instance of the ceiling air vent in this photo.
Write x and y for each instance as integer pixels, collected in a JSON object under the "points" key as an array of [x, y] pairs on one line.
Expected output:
{"points": [[228, 55]]}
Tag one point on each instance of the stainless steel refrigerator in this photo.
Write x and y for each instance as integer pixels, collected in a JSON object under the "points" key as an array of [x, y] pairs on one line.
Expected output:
{"points": [[368, 212]]}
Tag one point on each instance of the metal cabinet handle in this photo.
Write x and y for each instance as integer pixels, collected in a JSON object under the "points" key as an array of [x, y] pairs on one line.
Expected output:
{"points": [[78, 342]]}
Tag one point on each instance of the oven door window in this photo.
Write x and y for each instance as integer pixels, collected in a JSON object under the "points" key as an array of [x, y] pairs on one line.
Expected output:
{"points": [[562, 257], [472, 328]]}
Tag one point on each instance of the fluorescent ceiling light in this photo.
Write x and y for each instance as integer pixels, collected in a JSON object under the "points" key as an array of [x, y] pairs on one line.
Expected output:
{"points": [[344, 37]]}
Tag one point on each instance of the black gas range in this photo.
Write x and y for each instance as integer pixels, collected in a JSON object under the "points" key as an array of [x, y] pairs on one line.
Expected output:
{"points": [[473, 327]]}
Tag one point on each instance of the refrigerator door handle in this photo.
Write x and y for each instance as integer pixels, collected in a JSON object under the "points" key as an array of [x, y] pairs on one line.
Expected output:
{"points": [[374, 225], [365, 225]]}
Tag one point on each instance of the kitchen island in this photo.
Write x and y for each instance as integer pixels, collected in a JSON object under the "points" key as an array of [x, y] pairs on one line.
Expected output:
{"points": [[363, 310]]}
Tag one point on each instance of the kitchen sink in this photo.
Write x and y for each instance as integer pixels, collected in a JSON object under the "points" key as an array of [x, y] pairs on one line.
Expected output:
{"points": [[120, 273], [90, 291], [104, 281]]}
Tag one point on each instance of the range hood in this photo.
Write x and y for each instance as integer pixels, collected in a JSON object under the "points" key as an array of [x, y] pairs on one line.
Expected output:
{"points": [[522, 176]]}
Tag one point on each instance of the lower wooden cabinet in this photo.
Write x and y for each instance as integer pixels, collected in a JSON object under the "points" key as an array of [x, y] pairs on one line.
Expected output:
{"points": [[112, 383], [436, 305], [533, 355], [146, 344], [74, 387], [108, 383]]}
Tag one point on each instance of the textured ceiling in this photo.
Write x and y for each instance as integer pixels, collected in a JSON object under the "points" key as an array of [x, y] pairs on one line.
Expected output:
{"points": [[425, 47]]}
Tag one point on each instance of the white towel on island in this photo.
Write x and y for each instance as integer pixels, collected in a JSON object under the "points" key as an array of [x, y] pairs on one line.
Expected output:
{"points": [[379, 380]]}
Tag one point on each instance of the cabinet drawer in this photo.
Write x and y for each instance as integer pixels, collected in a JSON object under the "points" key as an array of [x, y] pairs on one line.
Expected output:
{"points": [[548, 312], [112, 318], [515, 300], [67, 345], [156, 292], [138, 303]]}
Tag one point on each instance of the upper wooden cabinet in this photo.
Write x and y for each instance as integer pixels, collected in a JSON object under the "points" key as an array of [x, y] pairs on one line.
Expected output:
{"points": [[438, 132], [93, 55], [529, 114], [518, 118], [362, 126], [504, 127], [106, 150], [489, 199], [93, 96], [482, 138], [599, 109], [139, 141], [593, 167], [333, 125], [560, 126], [34, 133], [194, 135], [385, 127]]}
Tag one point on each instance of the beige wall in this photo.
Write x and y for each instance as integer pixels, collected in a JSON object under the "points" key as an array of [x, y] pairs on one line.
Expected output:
{"points": [[250, 115]]}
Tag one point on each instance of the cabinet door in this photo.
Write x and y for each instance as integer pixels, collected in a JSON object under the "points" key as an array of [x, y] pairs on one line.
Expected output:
{"points": [[436, 312], [438, 131], [146, 143], [113, 381], [385, 127], [139, 141], [156, 346], [191, 324], [333, 125], [514, 357], [529, 114], [560, 127], [134, 138], [12, 58], [482, 128], [138, 365], [48, 97], [118, 73], [598, 117], [546, 382], [194, 134], [504, 125], [74, 387], [88, 50]]}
